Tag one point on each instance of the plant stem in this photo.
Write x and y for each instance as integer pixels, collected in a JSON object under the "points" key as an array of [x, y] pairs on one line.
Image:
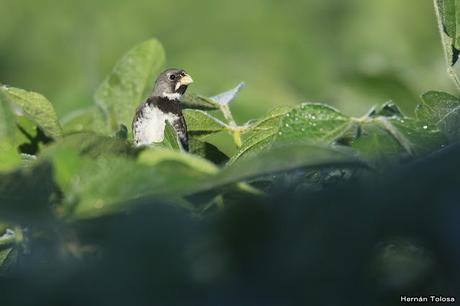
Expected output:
{"points": [[231, 122]]}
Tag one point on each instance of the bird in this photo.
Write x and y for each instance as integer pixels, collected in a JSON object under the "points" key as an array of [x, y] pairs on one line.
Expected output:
{"points": [[163, 106]]}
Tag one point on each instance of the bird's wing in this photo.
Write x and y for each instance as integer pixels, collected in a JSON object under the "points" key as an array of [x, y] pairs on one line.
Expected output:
{"points": [[179, 125]]}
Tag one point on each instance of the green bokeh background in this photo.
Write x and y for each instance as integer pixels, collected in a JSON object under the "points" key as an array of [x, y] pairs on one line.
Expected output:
{"points": [[348, 53]]}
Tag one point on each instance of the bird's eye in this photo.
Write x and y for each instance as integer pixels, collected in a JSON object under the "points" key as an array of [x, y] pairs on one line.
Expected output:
{"points": [[172, 77]]}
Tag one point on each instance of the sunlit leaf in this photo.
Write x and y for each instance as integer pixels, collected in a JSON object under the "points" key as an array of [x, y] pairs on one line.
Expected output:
{"points": [[35, 107], [201, 124], [85, 120], [442, 110], [124, 88], [9, 156], [7, 119], [311, 122]]}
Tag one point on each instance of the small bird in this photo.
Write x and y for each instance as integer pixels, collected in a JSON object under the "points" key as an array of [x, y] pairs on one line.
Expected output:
{"points": [[163, 106]]}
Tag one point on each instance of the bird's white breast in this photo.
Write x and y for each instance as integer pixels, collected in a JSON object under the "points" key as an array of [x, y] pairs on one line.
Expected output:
{"points": [[150, 127]]}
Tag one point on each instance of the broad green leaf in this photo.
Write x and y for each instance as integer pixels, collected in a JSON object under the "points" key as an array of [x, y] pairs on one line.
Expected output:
{"points": [[109, 184], [156, 156], [313, 122], [423, 138], [270, 120], [7, 119], [170, 138], [201, 124], [288, 156], [5, 252], [442, 110], [92, 145], [9, 244], [9, 156], [25, 194], [207, 151], [35, 107], [123, 90], [448, 16], [310, 122], [391, 140], [85, 120], [377, 147], [194, 101]]}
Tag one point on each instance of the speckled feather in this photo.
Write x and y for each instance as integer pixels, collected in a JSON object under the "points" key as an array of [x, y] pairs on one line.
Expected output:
{"points": [[150, 120]]}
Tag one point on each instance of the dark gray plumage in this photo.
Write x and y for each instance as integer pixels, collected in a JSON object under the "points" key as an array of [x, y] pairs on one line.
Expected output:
{"points": [[162, 106]]}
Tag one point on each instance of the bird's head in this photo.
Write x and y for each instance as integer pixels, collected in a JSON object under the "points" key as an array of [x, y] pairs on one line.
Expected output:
{"points": [[172, 83]]}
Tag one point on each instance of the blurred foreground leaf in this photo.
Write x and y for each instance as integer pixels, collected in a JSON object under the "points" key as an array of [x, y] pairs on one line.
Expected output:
{"points": [[9, 157], [85, 120], [26, 194], [7, 120]]}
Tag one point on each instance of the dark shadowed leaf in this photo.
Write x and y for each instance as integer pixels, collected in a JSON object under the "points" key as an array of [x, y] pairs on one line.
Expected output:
{"points": [[207, 151], [25, 194]]}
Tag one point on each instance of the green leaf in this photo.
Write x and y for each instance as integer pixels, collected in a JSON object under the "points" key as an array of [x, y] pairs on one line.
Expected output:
{"points": [[195, 101], [7, 119], [35, 107], [157, 156], [376, 146], [170, 140], [111, 184], [7, 248], [201, 124], [288, 156], [448, 17], [86, 120], [310, 122], [9, 156], [123, 90], [91, 145], [207, 151], [384, 140], [25, 194], [442, 110]]}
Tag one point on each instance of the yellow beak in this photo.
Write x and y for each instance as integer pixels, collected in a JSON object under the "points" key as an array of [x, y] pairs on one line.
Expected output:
{"points": [[185, 80]]}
